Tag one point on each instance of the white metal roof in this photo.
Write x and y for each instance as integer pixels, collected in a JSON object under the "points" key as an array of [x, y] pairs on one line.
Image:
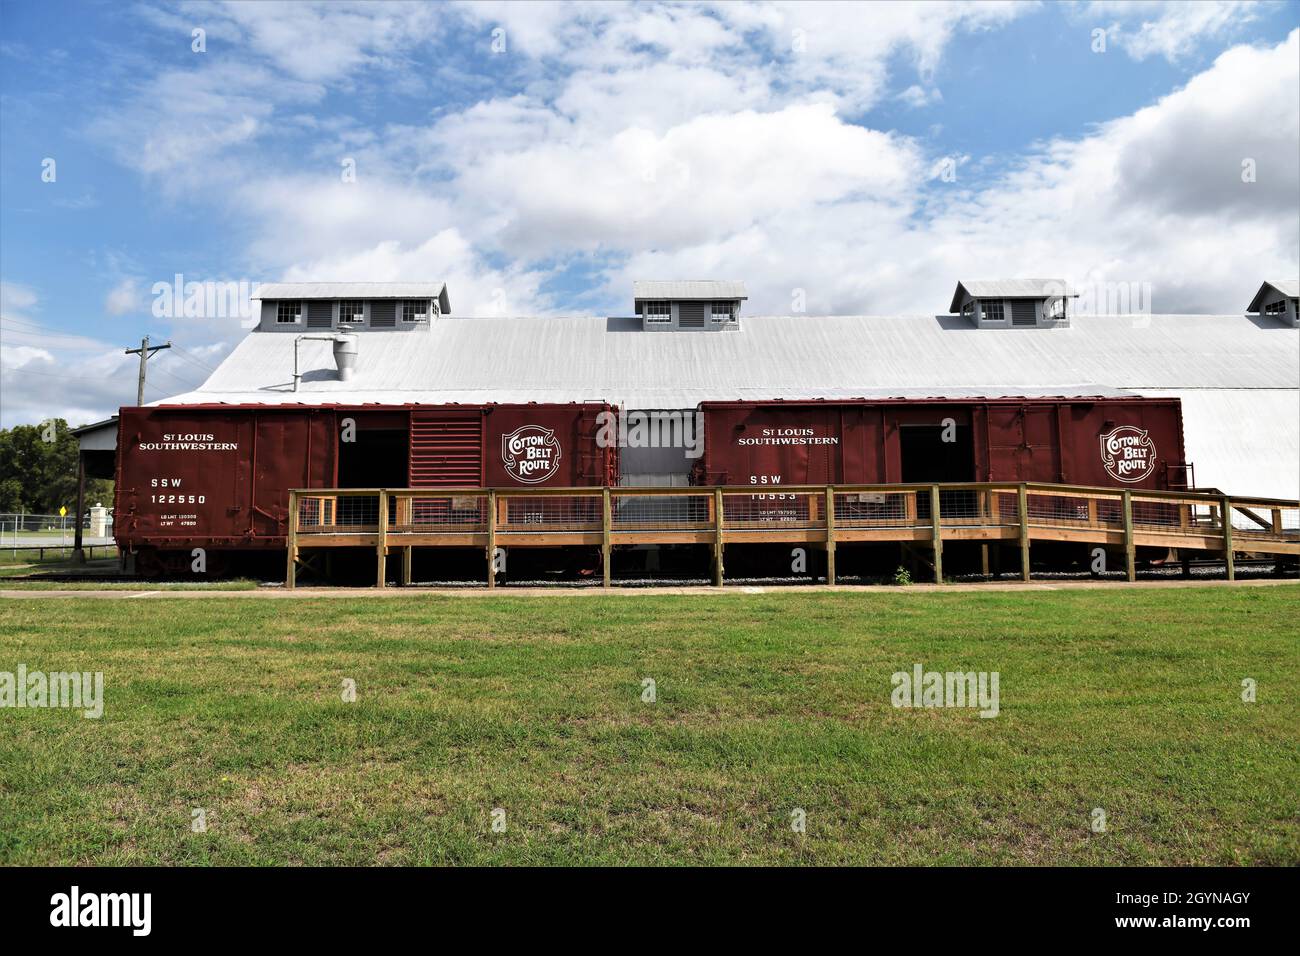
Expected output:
{"points": [[354, 290], [1290, 288], [1239, 377], [1010, 289], [688, 289], [791, 357]]}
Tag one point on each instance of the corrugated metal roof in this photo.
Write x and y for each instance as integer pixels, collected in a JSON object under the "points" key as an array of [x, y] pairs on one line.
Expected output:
{"points": [[1239, 378], [352, 290], [1290, 288], [577, 359], [1010, 289], [688, 289]]}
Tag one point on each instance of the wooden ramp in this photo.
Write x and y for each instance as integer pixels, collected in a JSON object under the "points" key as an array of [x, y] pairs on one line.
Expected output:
{"points": [[921, 516]]}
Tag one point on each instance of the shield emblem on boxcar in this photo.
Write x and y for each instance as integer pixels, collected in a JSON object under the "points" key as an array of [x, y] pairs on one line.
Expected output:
{"points": [[1128, 453], [531, 454]]}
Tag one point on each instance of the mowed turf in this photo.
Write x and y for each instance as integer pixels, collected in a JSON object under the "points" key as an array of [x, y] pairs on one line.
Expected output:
{"points": [[1125, 700]]}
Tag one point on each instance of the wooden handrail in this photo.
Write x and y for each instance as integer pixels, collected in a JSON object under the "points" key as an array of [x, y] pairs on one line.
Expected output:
{"points": [[486, 522], [625, 491]]}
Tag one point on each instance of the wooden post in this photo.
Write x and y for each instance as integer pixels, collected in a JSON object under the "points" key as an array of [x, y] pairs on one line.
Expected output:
{"points": [[1277, 522], [1023, 504], [492, 539], [291, 564], [605, 520], [717, 537], [402, 519], [381, 542], [936, 538], [1227, 538], [1130, 553], [77, 551], [984, 560], [830, 534]]}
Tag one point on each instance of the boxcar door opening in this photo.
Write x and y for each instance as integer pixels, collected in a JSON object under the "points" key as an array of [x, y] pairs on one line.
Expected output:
{"points": [[938, 453], [373, 452]]}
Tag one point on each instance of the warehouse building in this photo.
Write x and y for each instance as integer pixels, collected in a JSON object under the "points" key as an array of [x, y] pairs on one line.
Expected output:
{"points": [[389, 344]]}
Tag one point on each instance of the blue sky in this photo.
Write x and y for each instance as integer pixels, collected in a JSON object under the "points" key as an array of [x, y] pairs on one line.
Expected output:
{"points": [[538, 156]]}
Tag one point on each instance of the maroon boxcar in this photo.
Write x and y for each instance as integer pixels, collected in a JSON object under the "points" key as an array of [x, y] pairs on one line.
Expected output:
{"points": [[218, 476], [1123, 442]]}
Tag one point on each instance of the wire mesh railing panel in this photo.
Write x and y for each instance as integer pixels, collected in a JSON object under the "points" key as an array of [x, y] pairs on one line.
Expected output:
{"points": [[1266, 521], [1005, 506], [342, 513], [773, 510], [963, 506], [661, 512], [1160, 515], [1081, 511], [872, 509], [552, 513], [434, 513]]}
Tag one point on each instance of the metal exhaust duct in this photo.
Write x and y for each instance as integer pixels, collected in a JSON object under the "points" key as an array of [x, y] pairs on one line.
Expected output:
{"points": [[345, 356]]}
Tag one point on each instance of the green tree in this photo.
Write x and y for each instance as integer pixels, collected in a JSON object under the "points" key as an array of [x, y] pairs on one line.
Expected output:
{"points": [[39, 476]]}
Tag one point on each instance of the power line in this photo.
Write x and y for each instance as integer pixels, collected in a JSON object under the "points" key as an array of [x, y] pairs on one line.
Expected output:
{"points": [[186, 353], [43, 334]]}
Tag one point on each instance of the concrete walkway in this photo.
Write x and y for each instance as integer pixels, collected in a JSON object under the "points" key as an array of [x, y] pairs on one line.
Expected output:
{"points": [[616, 592]]}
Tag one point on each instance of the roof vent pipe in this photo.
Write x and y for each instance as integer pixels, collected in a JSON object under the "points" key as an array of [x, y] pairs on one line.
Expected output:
{"points": [[345, 356]]}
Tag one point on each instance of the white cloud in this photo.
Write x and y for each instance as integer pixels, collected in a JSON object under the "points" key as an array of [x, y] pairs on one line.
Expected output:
{"points": [[696, 140], [15, 299], [123, 298], [1172, 29]]}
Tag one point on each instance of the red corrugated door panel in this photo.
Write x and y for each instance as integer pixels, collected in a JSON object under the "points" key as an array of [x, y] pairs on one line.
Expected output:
{"points": [[446, 450]]}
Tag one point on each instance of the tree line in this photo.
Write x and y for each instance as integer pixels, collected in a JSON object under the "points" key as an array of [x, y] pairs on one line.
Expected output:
{"points": [[38, 470]]}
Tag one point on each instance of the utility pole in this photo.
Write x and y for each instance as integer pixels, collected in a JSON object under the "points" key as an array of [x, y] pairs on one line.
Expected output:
{"points": [[144, 351]]}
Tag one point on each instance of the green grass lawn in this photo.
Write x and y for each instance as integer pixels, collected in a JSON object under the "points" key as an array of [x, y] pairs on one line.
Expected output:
{"points": [[1125, 700], [14, 572]]}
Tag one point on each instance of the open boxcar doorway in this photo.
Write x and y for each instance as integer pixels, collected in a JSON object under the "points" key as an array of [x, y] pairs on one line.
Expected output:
{"points": [[927, 457], [376, 458]]}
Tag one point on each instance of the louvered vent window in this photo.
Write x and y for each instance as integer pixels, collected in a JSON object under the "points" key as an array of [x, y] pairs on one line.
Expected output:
{"points": [[658, 313], [1022, 312], [352, 311], [991, 310], [415, 310], [383, 314], [320, 314], [690, 315]]}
